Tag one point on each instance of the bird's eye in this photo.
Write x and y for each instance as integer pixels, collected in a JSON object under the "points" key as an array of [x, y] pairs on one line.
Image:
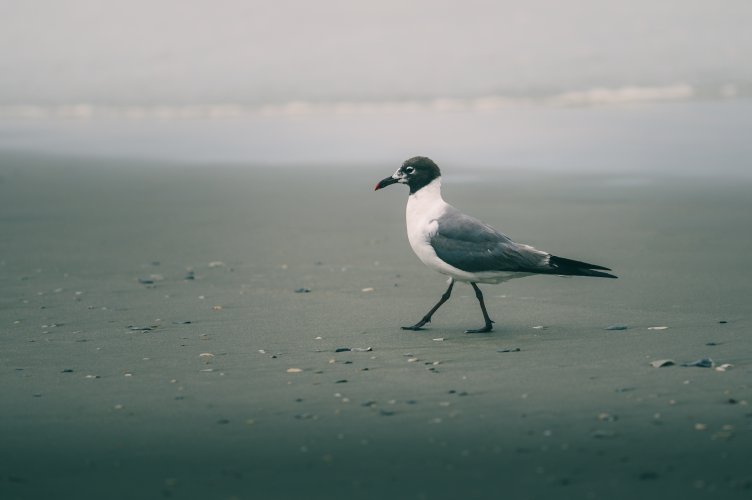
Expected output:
{"points": [[409, 170]]}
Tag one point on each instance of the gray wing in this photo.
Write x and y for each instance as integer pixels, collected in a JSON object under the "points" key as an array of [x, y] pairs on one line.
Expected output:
{"points": [[470, 245]]}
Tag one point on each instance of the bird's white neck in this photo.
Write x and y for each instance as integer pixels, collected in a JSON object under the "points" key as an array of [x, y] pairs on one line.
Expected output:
{"points": [[430, 193], [425, 204]]}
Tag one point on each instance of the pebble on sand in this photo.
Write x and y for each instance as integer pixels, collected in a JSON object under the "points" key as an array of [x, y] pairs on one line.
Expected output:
{"points": [[660, 363], [700, 363], [617, 327], [509, 349], [353, 349], [141, 328], [726, 433], [302, 290]]}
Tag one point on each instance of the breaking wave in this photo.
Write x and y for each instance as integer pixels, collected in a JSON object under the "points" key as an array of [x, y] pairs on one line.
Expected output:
{"points": [[598, 96]]}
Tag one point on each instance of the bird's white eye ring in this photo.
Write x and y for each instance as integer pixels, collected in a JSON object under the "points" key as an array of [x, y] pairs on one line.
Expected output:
{"points": [[409, 170]]}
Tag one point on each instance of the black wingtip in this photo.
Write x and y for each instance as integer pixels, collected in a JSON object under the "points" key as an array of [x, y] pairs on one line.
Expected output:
{"points": [[571, 267], [599, 274]]}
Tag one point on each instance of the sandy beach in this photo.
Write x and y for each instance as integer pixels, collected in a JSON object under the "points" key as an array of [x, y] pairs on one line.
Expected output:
{"points": [[180, 331]]}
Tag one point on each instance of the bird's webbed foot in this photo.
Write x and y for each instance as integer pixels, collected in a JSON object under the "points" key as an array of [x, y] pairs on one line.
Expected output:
{"points": [[485, 329], [417, 326]]}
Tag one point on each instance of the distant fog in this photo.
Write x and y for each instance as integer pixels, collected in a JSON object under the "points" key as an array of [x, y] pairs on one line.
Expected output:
{"points": [[175, 52]]}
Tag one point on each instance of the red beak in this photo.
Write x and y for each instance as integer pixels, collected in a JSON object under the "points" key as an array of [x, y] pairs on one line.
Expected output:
{"points": [[385, 182]]}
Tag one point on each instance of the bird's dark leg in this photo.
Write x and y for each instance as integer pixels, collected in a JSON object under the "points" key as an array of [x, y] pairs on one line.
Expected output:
{"points": [[489, 323], [427, 317]]}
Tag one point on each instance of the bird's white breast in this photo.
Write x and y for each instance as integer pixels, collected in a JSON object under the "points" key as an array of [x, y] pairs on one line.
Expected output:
{"points": [[424, 207]]}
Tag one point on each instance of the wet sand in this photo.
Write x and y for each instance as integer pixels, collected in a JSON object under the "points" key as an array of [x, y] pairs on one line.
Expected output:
{"points": [[115, 278]]}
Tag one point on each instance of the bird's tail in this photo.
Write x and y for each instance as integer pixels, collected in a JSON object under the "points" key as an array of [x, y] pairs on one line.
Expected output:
{"points": [[569, 267]]}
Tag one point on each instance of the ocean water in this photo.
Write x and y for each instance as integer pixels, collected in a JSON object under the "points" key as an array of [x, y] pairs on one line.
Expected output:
{"points": [[669, 137]]}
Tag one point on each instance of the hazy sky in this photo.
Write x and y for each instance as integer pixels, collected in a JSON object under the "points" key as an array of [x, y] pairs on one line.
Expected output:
{"points": [[255, 51]]}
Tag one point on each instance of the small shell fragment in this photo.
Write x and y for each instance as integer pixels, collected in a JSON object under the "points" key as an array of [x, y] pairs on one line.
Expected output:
{"points": [[368, 289], [724, 367], [294, 370], [660, 363], [657, 328], [206, 357], [607, 417]]}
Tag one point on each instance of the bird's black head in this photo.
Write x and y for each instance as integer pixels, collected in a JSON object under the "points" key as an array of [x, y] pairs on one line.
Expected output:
{"points": [[416, 172]]}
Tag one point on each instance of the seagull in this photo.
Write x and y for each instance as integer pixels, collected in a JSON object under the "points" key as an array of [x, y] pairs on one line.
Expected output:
{"points": [[464, 248]]}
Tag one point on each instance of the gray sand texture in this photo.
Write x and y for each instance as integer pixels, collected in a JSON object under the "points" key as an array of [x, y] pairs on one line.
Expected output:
{"points": [[171, 331]]}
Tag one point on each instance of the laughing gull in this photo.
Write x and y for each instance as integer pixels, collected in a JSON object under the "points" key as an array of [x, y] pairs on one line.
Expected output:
{"points": [[464, 248]]}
